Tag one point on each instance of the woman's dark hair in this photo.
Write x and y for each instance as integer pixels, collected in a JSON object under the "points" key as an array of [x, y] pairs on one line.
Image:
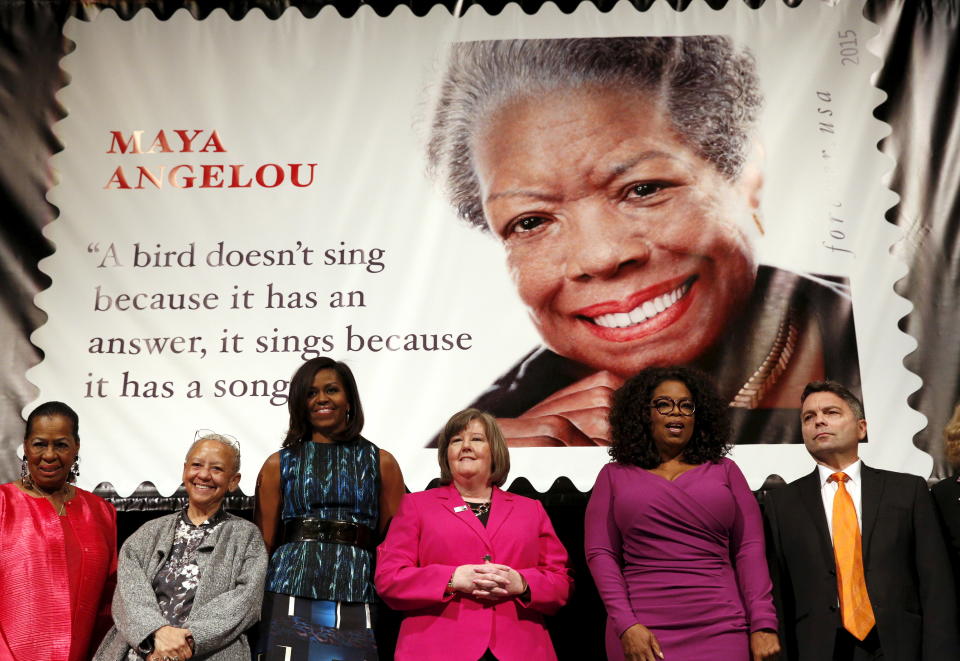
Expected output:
{"points": [[301, 383], [48, 409], [630, 418]]}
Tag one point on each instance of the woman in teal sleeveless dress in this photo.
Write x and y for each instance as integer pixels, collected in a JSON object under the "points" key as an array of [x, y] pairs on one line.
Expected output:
{"points": [[321, 503]]}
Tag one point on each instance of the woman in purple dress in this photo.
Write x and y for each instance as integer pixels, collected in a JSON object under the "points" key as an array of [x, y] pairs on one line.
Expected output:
{"points": [[674, 537]]}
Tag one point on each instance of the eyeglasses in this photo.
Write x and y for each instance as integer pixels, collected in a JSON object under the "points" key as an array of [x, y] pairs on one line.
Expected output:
{"points": [[667, 405]]}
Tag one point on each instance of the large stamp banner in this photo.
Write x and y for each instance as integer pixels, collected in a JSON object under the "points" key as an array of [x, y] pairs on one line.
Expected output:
{"points": [[511, 211]]}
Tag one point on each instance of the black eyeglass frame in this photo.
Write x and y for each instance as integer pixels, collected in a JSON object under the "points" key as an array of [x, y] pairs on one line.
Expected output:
{"points": [[667, 405]]}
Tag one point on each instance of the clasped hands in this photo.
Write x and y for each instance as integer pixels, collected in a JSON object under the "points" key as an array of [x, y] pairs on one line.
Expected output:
{"points": [[488, 581], [171, 644]]}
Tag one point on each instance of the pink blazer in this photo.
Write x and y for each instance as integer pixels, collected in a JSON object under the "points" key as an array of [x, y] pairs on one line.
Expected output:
{"points": [[432, 534]]}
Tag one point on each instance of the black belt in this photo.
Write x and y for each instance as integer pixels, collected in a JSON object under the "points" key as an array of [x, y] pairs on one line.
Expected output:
{"points": [[329, 530]]}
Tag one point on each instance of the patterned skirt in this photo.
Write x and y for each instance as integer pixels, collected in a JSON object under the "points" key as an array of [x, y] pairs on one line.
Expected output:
{"points": [[301, 629]]}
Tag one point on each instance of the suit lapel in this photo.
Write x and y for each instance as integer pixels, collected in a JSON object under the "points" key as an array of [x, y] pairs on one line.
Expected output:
{"points": [[501, 504], [453, 504], [871, 494], [812, 498]]}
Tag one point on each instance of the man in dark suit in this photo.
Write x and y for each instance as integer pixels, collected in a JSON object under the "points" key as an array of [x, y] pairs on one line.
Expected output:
{"points": [[884, 594]]}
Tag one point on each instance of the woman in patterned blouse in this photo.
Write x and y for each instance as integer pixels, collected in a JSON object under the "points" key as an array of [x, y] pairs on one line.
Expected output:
{"points": [[189, 584], [322, 502]]}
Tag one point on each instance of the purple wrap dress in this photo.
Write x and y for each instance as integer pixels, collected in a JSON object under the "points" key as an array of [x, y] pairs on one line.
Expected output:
{"points": [[683, 558]]}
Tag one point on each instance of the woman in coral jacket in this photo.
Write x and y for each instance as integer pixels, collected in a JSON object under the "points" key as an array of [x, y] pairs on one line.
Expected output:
{"points": [[474, 567], [58, 548]]}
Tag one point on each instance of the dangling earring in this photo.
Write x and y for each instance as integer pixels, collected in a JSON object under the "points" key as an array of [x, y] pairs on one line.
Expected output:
{"points": [[25, 473], [758, 223], [349, 413], [74, 470]]}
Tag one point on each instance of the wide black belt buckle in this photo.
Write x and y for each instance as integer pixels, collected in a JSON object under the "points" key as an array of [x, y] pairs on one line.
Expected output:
{"points": [[329, 531], [343, 533]]}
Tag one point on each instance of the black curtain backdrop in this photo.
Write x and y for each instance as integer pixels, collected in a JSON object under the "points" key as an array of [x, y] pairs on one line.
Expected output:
{"points": [[920, 49]]}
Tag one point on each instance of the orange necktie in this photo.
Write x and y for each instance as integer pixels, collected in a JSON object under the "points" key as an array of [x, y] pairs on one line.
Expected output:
{"points": [[851, 585]]}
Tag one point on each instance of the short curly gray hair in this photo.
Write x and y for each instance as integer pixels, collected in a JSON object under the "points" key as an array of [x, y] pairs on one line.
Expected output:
{"points": [[224, 439], [709, 88]]}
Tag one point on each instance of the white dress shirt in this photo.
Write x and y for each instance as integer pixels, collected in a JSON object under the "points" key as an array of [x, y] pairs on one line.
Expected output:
{"points": [[828, 488]]}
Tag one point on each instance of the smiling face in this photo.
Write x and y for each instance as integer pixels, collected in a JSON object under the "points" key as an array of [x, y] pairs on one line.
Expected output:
{"points": [[209, 473], [672, 431], [831, 431], [327, 405], [628, 249], [50, 448], [468, 454]]}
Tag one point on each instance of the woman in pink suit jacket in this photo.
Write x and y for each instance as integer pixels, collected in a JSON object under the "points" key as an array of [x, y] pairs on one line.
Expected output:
{"points": [[476, 568]]}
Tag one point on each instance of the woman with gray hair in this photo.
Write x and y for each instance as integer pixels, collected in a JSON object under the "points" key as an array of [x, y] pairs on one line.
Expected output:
{"points": [[189, 584], [622, 177]]}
